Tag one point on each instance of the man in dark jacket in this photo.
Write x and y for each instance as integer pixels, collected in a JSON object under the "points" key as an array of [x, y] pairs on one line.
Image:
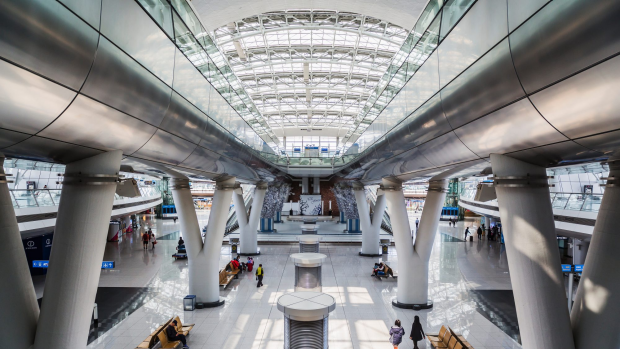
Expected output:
{"points": [[173, 335], [479, 231]]}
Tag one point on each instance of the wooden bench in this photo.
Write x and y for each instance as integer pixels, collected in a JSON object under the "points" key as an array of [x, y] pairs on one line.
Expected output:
{"points": [[227, 276], [156, 336], [448, 339]]}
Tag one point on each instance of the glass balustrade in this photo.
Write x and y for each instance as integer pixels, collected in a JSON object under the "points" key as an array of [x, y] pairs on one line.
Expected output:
{"points": [[22, 198]]}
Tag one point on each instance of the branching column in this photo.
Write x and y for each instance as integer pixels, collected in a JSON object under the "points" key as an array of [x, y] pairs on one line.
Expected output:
{"points": [[19, 310], [248, 226], [596, 312], [533, 256], [371, 229], [79, 242], [413, 257]]}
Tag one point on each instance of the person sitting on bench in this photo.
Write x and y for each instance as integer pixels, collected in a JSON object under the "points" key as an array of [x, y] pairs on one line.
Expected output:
{"points": [[379, 269], [173, 335]]}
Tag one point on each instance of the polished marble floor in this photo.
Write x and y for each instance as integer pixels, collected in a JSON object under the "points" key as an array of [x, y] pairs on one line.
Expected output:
{"points": [[250, 319]]}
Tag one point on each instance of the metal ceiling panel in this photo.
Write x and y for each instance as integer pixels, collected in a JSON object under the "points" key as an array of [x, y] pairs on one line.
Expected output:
{"points": [[423, 85], [119, 81], [190, 83], [520, 10], [205, 160], [515, 127], [487, 85], [8, 137], [425, 124], [28, 102], [584, 104], [184, 120], [89, 11], [215, 138], [413, 160], [564, 153], [89, 123], [63, 54], [127, 25], [563, 38], [484, 26], [166, 147], [446, 150], [607, 143], [49, 150]]}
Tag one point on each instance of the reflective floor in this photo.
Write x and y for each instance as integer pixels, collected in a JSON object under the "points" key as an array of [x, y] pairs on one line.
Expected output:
{"points": [[363, 315]]}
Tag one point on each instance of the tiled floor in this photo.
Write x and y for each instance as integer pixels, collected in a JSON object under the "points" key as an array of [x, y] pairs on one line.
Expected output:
{"points": [[250, 319]]}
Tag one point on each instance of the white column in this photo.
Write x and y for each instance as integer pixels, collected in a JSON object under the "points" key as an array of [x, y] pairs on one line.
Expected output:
{"points": [[533, 255], [305, 185], [79, 242], [371, 229], [316, 186], [203, 257], [413, 258], [248, 226], [596, 311], [19, 310]]}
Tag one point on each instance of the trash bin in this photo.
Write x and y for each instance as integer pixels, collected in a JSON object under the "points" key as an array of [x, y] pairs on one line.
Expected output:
{"points": [[234, 245], [384, 245], [189, 302]]}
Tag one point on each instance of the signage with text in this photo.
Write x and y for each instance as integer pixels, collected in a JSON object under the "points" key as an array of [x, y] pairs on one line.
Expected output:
{"points": [[45, 264], [567, 268]]}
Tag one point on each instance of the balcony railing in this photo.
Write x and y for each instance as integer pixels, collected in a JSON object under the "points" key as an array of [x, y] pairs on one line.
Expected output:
{"points": [[22, 198], [560, 201]]}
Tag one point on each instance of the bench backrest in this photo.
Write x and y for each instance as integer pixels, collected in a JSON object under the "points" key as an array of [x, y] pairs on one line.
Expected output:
{"points": [[446, 338], [163, 338], [452, 342], [442, 332], [154, 335], [458, 346], [179, 324]]}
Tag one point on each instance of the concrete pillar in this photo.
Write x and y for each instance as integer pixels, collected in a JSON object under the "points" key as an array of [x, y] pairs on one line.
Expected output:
{"points": [[19, 310], [580, 251], [79, 242], [413, 258], [203, 257], [316, 186], [127, 222], [371, 229], [533, 256], [305, 185], [596, 311], [248, 226]]}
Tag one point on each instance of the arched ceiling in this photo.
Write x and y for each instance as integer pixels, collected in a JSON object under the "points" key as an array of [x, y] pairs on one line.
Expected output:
{"points": [[217, 13], [309, 68]]}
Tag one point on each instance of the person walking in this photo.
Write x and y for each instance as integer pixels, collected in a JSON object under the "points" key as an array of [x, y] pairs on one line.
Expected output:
{"points": [[260, 272], [396, 334], [417, 333], [417, 221], [152, 238], [145, 240], [467, 232], [479, 231]]}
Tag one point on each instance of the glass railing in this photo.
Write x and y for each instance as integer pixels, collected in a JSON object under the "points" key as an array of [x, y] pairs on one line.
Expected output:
{"points": [[560, 201], [22, 198]]}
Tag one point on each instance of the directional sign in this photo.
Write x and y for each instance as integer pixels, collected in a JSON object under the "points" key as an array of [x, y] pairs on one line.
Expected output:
{"points": [[45, 264], [567, 268], [578, 268]]}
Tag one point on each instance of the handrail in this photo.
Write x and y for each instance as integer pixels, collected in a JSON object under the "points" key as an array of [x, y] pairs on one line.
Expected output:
{"points": [[586, 202], [24, 198]]}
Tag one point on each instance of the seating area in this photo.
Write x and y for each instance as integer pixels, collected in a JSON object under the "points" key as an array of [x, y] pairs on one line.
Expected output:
{"points": [[385, 274], [228, 274], [448, 339], [159, 336]]}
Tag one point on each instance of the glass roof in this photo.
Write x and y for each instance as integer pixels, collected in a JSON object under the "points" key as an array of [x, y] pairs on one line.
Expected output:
{"points": [[309, 68]]}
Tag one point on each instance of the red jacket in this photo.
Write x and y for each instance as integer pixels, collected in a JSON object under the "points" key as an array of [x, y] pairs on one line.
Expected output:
{"points": [[235, 263]]}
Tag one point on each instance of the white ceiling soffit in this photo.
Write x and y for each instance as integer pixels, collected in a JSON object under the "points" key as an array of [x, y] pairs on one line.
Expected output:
{"points": [[217, 13], [309, 68]]}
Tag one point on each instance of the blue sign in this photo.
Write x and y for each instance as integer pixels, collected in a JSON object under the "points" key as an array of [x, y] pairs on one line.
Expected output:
{"points": [[578, 268], [567, 268], [45, 264]]}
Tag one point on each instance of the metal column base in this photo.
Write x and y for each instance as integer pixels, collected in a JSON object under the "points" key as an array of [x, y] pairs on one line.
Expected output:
{"points": [[397, 304], [371, 254], [218, 303]]}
